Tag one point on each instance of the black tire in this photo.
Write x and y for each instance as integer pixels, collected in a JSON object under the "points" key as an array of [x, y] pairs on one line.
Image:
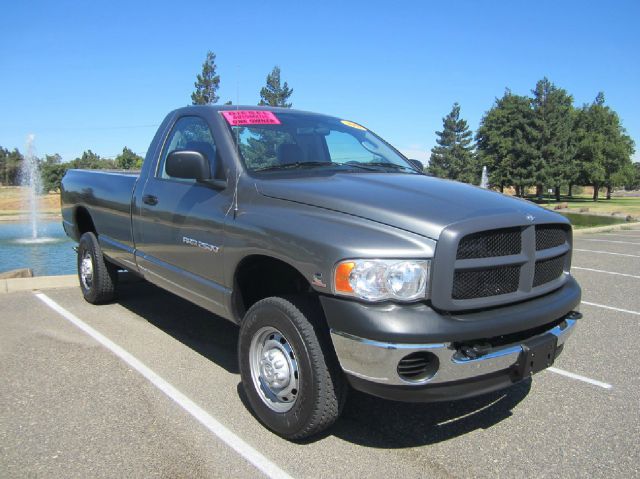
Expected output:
{"points": [[321, 386], [100, 285]]}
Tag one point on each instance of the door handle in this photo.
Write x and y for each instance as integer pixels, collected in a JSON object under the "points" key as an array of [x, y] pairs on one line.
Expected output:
{"points": [[150, 200]]}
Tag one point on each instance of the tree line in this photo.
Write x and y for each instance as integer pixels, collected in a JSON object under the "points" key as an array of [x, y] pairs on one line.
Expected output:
{"points": [[540, 141], [52, 168]]}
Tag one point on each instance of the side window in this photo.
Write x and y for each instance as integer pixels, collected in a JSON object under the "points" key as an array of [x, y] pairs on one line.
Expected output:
{"points": [[189, 133]]}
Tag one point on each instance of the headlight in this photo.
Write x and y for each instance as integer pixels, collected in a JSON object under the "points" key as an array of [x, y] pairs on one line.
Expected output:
{"points": [[380, 279]]}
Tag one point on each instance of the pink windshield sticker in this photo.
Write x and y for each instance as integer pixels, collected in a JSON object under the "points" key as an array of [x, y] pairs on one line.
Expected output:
{"points": [[250, 117]]}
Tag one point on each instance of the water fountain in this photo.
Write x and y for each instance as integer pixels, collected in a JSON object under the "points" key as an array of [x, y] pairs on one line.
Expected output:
{"points": [[31, 181], [30, 178], [484, 182]]}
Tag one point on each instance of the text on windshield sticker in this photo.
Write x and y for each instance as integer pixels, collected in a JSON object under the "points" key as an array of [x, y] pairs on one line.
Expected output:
{"points": [[250, 117]]}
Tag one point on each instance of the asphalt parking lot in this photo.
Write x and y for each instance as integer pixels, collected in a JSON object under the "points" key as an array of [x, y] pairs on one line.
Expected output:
{"points": [[169, 404]]}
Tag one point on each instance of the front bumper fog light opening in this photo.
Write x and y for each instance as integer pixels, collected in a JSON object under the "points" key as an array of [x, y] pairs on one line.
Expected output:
{"points": [[418, 367]]}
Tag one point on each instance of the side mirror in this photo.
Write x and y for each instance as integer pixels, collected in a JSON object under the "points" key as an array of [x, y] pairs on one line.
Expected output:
{"points": [[188, 164], [417, 165]]}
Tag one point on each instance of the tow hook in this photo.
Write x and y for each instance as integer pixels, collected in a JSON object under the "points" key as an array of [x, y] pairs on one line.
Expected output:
{"points": [[475, 351]]}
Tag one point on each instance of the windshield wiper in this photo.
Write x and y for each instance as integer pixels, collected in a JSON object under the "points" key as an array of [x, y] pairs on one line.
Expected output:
{"points": [[376, 165], [393, 166], [298, 164]]}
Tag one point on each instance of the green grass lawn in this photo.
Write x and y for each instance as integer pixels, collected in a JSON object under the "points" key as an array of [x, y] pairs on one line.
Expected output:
{"points": [[622, 205]]}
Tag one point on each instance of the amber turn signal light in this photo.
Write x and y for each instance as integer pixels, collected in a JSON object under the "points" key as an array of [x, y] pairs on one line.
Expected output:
{"points": [[342, 277]]}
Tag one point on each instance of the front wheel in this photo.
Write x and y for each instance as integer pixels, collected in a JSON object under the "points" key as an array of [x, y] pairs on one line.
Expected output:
{"points": [[289, 370], [98, 277]]}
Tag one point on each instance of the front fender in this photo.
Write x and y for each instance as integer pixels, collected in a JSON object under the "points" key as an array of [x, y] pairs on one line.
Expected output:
{"points": [[312, 240]]}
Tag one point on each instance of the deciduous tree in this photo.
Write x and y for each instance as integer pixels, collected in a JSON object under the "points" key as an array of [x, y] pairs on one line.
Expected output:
{"points": [[10, 162], [92, 161], [128, 160], [633, 182], [52, 169]]}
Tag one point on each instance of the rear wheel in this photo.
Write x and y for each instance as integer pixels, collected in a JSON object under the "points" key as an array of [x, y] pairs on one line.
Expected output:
{"points": [[98, 278], [289, 370]]}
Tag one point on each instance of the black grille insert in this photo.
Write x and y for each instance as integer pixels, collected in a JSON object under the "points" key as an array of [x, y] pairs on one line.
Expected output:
{"points": [[487, 244], [548, 269], [550, 236], [485, 282]]}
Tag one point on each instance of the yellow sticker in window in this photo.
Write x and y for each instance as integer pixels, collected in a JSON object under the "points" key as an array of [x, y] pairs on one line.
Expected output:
{"points": [[353, 125]]}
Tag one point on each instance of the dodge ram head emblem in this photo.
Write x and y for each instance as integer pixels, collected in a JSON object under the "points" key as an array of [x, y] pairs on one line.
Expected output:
{"points": [[530, 218]]}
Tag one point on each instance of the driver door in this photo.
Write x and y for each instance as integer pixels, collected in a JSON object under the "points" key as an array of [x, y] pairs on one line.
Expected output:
{"points": [[182, 222]]}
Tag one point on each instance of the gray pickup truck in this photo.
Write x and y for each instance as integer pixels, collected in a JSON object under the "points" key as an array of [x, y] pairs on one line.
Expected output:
{"points": [[343, 264]]}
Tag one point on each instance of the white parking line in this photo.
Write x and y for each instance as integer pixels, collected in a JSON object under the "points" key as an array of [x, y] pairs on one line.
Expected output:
{"points": [[604, 306], [254, 457], [607, 252], [606, 272], [579, 378], [610, 241], [622, 236]]}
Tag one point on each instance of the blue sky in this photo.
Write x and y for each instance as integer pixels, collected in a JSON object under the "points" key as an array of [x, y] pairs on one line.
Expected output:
{"points": [[101, 75]]}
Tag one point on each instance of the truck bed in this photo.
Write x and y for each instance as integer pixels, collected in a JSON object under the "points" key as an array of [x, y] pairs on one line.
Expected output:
{"points": [[106, 196]]}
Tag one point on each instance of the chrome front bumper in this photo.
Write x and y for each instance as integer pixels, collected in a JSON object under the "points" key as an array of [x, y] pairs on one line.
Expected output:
{"points": [[378, 361]]}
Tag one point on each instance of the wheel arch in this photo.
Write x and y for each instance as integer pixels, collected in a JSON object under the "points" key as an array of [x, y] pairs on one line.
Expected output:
{"points": [[258, 276], [83, 222]]}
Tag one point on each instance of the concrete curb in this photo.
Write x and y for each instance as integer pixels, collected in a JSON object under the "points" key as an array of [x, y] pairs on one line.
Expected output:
{"points": [[38, 282], [602, 229]]}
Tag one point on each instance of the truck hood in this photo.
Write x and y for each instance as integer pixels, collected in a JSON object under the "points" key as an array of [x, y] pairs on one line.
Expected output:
{"points": [[415, 203]]}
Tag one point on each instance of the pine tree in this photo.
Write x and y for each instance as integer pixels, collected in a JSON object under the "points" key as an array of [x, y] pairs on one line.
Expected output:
{"points": [[207, 83], [504, 141], [604, 149], [553, 125], [275, 94], [454, 157]]}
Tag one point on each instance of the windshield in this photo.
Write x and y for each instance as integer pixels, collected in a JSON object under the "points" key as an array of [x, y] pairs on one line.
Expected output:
{"points": [[276, 141]]}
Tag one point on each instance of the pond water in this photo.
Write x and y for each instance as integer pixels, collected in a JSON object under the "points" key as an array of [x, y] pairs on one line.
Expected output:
{"points": [[579, 220], [51, 253]]}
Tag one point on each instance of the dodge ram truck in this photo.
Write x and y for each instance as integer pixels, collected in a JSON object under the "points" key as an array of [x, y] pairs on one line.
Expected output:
{"points": [[342, 263]]}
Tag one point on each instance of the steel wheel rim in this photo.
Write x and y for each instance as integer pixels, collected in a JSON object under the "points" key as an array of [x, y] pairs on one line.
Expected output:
{"points": [[274, 369], [86, 270]]}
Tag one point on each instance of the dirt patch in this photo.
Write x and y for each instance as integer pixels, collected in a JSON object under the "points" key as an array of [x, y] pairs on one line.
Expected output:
{"points": [[13, 200]]}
